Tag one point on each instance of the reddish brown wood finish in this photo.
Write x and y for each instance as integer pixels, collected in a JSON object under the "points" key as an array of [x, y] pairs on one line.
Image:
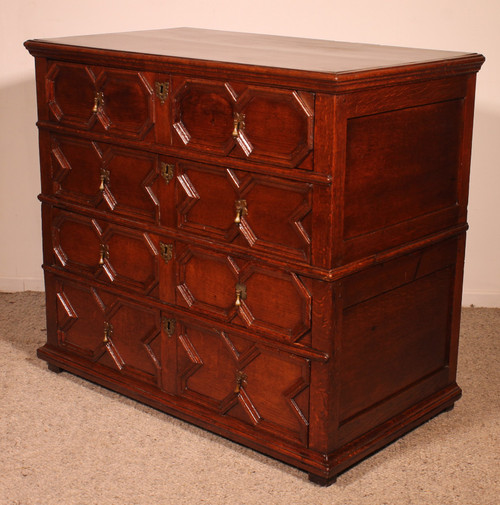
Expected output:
{"points": [[263, 236]]}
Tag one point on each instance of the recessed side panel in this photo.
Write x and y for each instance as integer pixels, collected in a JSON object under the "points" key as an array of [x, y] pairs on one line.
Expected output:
{"points": [[401, 176], [395, 337]]}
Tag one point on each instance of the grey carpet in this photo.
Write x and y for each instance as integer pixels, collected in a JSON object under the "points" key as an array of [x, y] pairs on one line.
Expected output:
{"points": [[65, 441]]}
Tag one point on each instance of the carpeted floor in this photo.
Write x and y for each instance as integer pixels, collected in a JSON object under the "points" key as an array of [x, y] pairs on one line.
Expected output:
{"points": [[65, 441]]}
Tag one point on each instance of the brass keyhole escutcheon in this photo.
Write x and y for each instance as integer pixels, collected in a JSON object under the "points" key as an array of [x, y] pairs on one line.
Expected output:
{"points": [[238, 124], [162, 89], [169, 326], [98, 101], [241, 294], [241, 379], [166, 251], [167, 171], [241, 210]]}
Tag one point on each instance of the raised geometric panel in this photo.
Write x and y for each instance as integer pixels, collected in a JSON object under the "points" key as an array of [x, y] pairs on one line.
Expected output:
{"points": [[206, 281], [113, 332], [80, 317], [121, 87], [70, 93], [275, 216], [203, 115], [134, 343], [129, 189], [275, 302], [101, 175], [256, 123], [76, 242], [88, 98], [278, 125], [75, 170], [131, 259], [104, 251], [257, 386]]}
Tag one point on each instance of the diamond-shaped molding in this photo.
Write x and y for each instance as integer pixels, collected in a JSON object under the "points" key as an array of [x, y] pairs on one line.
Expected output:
{"points": [[206, 281], [132, 258], [278, 124], [80, 318], [135, 332], [277, 302], [203, 115], [272, 407], [81, 255], [134, 171], [132, 346], [71, 93], [122, 86], [287, 312], [200, 211], [76, 165], [71, 89]]}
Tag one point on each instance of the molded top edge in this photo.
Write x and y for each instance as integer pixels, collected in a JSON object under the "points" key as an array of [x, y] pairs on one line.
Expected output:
{"points": [[277, 52]]}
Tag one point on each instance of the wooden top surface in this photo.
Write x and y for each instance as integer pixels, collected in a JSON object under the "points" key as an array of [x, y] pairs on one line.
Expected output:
{"points": [[259, 50]]}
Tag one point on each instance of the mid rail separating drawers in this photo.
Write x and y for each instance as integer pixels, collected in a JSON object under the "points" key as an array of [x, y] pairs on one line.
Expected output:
{"points": [[263, 236]]}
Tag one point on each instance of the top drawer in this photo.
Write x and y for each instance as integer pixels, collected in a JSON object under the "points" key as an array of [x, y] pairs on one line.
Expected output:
{"points": [[119, 102], [234, 120], [259, 124]]}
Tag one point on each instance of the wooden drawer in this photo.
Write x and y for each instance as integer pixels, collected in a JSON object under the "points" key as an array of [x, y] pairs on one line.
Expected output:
{"points": [[103, 176], [258, 387], [103, 251], [109, 331], [265, 214], [92, 98], [250, 122], [246, 293]]}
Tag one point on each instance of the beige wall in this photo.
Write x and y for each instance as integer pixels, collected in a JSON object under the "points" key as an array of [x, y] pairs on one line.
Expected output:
{"points": [[441, 24]]}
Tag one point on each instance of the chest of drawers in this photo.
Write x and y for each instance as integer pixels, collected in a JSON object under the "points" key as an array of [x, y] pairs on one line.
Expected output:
{"points": [[263, 236]]}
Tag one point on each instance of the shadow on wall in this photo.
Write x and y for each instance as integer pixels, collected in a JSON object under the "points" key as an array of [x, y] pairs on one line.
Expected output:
{"points": [[20, 250], [482, 268]]}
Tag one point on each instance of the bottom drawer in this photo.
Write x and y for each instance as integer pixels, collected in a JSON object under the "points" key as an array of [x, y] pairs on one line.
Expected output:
{"points": [[238, 378], [107, 330], [246, 385]]}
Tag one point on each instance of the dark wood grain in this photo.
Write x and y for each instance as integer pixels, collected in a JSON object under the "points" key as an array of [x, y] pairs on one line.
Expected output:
{"points": [[274, 249]]}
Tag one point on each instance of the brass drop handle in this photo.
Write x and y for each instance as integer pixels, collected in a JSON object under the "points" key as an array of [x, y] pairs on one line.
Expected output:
{"points": [[238, 124], [108, 332], [241, 294], [241, 379], [104, 178], [241, 210], [98, 101], [103, 254]]}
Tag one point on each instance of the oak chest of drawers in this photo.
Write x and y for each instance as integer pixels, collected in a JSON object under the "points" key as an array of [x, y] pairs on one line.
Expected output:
{"points": [[260, 235]]}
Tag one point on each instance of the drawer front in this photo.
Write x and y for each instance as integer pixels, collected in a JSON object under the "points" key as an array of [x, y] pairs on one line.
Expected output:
{"points": [[119, 102], [248, 122], [97, 175], [109, 331], [95, 248], [262, 213], [262, 388], [245, 293]]}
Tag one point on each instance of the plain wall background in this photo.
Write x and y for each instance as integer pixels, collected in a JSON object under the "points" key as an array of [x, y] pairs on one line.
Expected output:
{"points": [[462, 25]]}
